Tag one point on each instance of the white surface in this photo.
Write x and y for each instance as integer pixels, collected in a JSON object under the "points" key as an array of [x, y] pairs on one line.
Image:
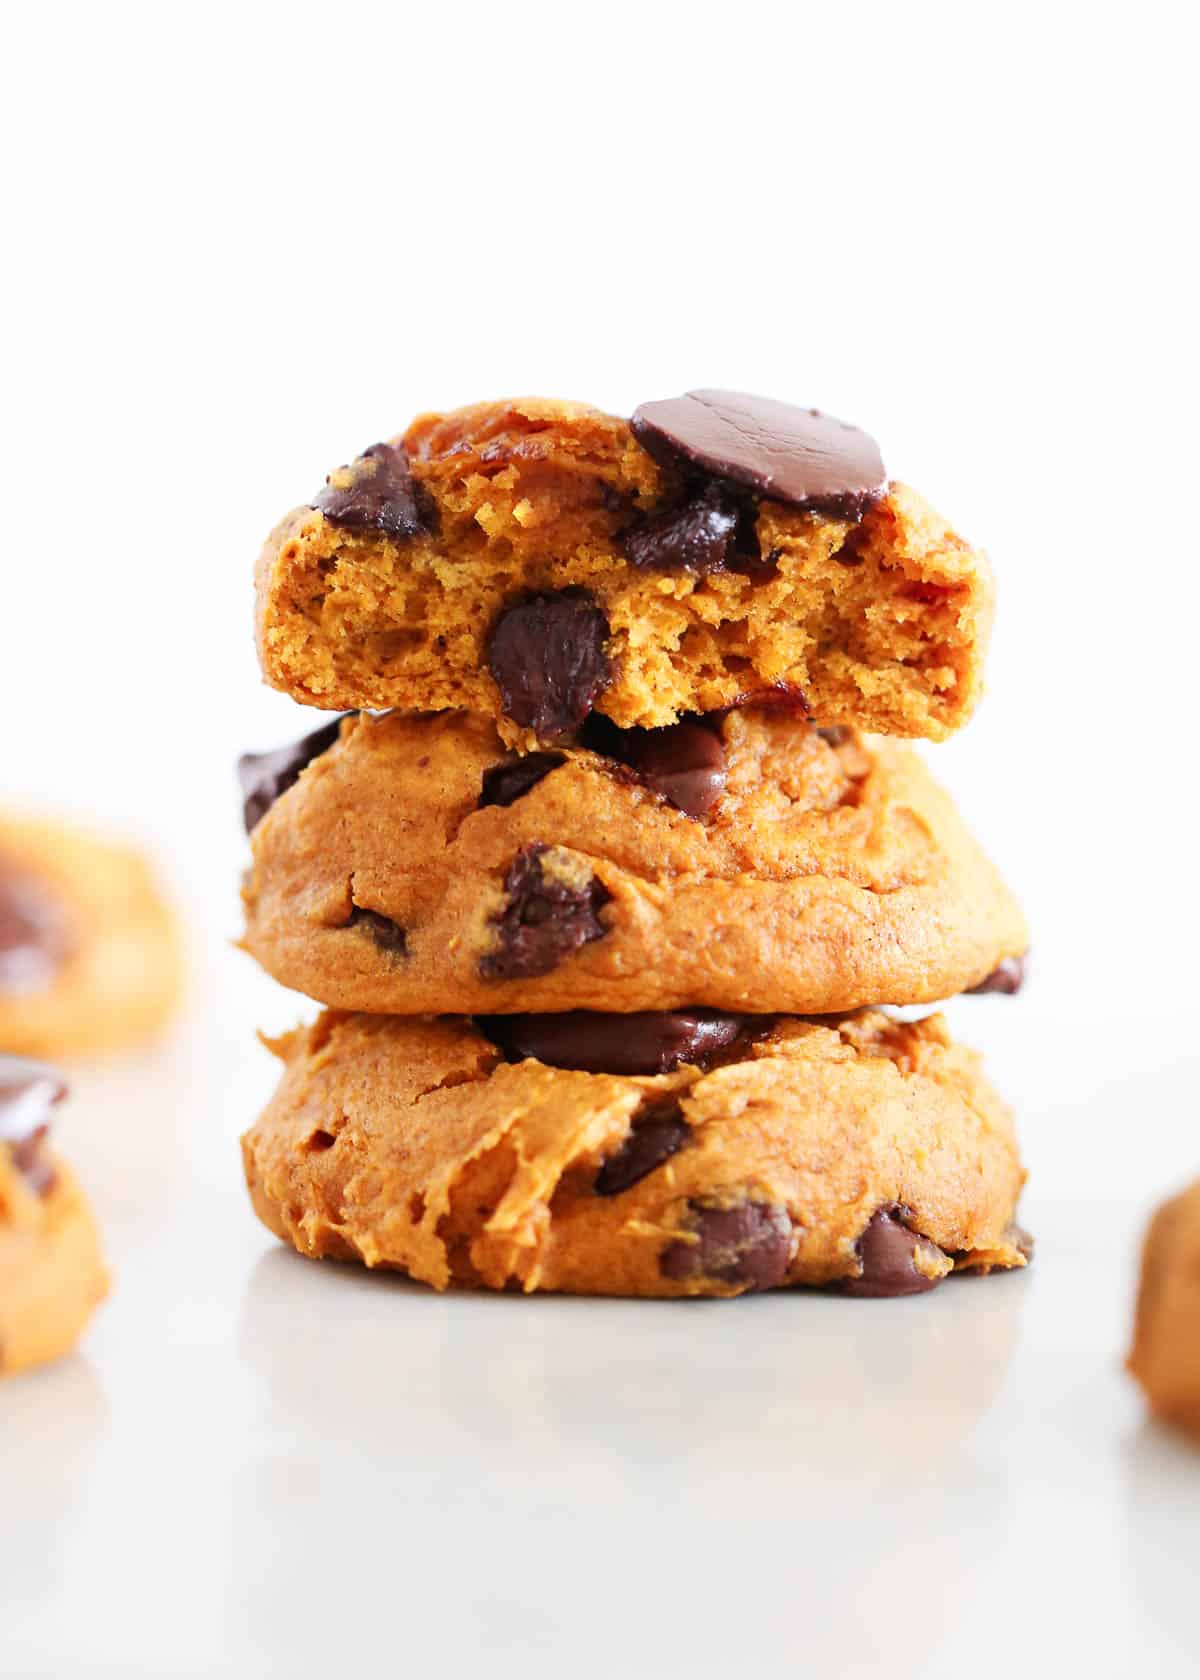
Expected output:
{"points": [[253, 239]]}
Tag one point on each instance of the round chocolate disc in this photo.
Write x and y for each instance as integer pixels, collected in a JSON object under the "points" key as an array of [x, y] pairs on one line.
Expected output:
{"points": [[794, 455]]}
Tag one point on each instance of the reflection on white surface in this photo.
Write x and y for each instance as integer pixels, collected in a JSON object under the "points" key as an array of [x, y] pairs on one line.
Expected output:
{"points": [[263, 1465]]}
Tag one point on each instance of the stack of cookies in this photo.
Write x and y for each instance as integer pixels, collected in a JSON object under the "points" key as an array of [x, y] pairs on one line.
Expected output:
{"points": [[610, 871]]}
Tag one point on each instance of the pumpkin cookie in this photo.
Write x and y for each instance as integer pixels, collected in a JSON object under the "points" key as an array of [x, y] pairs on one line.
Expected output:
{"points": [[89, 952], [1165, 1357], [682, 1154], [748, 861], [534, 561], [52, 1275]]}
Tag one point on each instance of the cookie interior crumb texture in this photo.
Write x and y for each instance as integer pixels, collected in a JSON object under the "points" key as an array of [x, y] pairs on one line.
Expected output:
{"points": [[879, 620]]}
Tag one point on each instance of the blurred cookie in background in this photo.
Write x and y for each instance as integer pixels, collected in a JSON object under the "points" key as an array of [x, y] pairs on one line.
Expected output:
{"points": [[90, 955], [1165, 1358], [52, 1274]]}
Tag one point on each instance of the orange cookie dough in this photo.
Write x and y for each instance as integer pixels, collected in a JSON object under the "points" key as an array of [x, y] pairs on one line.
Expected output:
{"points": [[859, 1152], [89, 951], [52, 1275], [750, 862], [532, 560], [1165, 1357]]}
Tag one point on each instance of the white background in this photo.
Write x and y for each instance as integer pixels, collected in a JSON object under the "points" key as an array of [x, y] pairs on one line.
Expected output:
{"points": [[243, 243]]}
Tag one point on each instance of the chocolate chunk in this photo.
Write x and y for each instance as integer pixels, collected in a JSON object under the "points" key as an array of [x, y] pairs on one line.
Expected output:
{"points": [[684, 762], [28, 1093], [1008, 978], [836, 735], [643, 1043], [657, 1132], [376, 492], [750, 1243], [388, 935], [548, 660], [266, 776], [886, 1249], [35, 932], [544, 920], [505, 783], [697, 537], [793, 455]]}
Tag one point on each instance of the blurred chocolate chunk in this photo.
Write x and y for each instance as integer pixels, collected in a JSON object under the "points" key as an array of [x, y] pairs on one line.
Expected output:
{"points": [[547, 656], [35, 932], [376, 492], [793, 455], [698, 536], [266, 776], [748, 1243], [887, 1249], [28, 1093], [684, 762], [505, 783], [657, 1132], [388, 935], [546, 916], [643, 1043], [1008, 978]]}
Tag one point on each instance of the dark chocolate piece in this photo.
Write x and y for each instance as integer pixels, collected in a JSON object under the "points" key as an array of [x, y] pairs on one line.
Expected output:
{"points": [[886, 1249], [266, 776], [749, 1243], [1008, 978], [547, 656], [388, 935], [505, 783], [698, 536], [683, 762], [376, 492], [543, 920], [28, 1093], [793, 455], [657, 1132], [35, 933], [643, 1043]]}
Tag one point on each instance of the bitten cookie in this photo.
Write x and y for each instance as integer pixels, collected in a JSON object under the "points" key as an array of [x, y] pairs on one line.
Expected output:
{"points": [[715, 1156], [533, 561], [52, 1275], [89, 952], [748, 862], [1165, 1357]]}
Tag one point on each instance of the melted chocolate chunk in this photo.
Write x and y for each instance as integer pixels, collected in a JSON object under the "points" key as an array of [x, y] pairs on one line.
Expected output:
{"points": [[836, 735], [547, 657], [793, 455], [505, 783], [544, 919], [748, 1243], [1008, 978], [35, 934], [886, 1249], [376, 492], [698, 537], [28, 1093], [644, 1043], [657, 1132], [684, 762], [266, 776], [388, 935]]}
